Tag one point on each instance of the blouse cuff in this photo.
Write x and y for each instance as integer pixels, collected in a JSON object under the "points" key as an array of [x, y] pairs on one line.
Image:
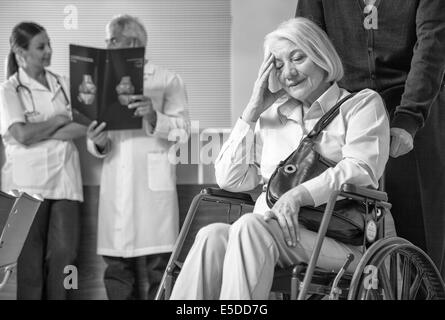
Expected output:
{"points": [[162, 126], [241, 129], [318, 191]]}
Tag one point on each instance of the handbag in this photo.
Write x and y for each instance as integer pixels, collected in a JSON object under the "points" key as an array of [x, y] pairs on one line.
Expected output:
{"points": [[348, 218]]}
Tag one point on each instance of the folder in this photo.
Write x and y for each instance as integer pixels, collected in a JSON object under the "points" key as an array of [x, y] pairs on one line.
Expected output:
{"points": [[102, 82]]}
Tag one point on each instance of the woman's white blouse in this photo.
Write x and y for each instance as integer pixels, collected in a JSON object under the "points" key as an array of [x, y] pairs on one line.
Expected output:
{"points": [[357, 139], [51, 167]]}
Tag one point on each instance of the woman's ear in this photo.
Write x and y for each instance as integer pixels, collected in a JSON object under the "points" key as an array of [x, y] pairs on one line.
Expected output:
{"points": [[20, 57]]}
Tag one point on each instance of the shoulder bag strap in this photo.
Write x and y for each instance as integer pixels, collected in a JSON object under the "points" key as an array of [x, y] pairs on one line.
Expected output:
{"points": [[327, 118]]}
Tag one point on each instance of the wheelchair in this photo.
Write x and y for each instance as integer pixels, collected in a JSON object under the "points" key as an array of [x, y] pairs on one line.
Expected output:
{"points": [[17, 212], [391, 268]]}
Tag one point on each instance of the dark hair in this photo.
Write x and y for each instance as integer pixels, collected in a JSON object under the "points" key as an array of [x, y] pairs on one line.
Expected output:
{"points": [[20, 38]]}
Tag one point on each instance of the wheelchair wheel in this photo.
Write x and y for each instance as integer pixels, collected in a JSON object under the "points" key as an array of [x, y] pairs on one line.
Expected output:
{"points": [[395, 269]]}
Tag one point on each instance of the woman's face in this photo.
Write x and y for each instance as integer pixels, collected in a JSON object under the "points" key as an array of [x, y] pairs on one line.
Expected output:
{"points": [[39, 51], [299, 76]]}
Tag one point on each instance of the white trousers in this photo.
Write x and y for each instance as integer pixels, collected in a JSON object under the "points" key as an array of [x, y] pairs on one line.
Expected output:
{"points": [[237, 261]]}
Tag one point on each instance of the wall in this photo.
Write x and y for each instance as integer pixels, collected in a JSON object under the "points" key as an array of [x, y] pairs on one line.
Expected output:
{"points": [[251, 21], [191, 37]]}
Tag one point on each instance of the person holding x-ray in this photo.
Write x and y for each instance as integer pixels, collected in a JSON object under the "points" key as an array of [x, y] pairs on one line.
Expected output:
{"points": [[37, 128]]}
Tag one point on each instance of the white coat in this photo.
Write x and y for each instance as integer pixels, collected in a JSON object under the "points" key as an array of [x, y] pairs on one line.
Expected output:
{"points": [[138, 205]]}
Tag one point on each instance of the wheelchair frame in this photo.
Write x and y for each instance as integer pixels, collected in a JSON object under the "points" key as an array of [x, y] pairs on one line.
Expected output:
{"points": [[335, 285], [19, 208]]}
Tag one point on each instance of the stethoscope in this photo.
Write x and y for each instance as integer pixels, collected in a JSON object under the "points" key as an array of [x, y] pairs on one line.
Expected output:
{"points": [[34, 112]]}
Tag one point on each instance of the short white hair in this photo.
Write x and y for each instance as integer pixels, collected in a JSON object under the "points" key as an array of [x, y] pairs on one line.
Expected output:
{"points": [[127, 23], [312, 40]]}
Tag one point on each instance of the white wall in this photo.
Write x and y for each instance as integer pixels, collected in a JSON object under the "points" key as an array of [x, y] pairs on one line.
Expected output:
{"points": [[251, 21]]}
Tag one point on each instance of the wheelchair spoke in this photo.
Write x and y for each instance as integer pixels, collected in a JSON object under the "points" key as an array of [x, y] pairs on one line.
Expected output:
{"points": [[367, 294], [394, 274], [386, 284], [415, 286], [373, 294], [406, 278]]}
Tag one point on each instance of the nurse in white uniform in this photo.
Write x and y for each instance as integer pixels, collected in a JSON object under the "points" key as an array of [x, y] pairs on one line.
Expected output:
{"points": [[37, 128]]}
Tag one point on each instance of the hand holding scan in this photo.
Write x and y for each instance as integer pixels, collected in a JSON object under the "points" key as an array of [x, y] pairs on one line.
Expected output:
{"points": [[142, 104], [97, 134]]}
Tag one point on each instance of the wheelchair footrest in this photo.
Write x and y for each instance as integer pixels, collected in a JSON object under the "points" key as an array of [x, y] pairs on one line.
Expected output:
{"points": [[320, 284]]}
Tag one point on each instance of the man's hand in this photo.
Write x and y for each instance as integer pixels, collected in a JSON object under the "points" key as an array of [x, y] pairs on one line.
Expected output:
{"points": [[144, 108], [97, 135], [401, 142], [142, 105]]}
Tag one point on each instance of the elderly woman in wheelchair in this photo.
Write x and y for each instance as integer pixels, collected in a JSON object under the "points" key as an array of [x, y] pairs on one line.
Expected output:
{"points": [[295, 88]]}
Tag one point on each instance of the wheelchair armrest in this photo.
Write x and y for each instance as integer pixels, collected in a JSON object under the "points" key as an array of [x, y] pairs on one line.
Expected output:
{"points": [[364, 192], [247, 198]]}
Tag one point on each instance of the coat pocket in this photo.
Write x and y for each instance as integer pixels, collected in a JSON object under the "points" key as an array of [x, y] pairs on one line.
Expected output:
{"points": [[30, 167], [161, 173]]}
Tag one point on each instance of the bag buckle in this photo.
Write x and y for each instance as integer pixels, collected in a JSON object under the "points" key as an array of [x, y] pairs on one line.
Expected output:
{"points": [[290, 168]]}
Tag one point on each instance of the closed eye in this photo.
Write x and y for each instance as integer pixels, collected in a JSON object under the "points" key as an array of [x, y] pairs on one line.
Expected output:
{"points": [[298, 58]]}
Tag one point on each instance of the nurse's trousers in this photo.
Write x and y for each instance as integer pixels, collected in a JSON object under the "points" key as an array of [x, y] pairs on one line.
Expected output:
{"points": [[237, 261], [51, 245]]}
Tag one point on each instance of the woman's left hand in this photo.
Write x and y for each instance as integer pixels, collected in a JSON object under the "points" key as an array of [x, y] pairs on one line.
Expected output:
{"points": [[286, 210]]}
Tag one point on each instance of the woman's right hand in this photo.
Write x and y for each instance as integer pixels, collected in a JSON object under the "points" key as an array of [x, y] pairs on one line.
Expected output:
{"points": [[97, 134], [261, 98]]}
